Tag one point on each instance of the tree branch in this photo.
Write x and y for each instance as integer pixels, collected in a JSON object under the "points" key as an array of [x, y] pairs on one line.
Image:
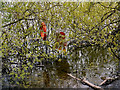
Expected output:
{"points": [[103, 20], [111, 23], [86, 82], [27, 16], [109, 81], [108, 16], [109, 7], [114, 53]]}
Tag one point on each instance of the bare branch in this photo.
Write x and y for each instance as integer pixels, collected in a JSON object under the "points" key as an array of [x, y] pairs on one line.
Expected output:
{"points": [[86, 82], [109, 81]]}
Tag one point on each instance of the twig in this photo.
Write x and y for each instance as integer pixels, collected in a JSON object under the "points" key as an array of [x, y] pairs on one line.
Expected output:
{"points": [[108, 7], [35, 64], [86, 82], [110, 23], [114, 53], [75, 7], [13, 22]]}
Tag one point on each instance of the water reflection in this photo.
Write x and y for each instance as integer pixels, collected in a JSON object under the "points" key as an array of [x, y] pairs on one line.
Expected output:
{"points": [[94, 63], [62, 68]]}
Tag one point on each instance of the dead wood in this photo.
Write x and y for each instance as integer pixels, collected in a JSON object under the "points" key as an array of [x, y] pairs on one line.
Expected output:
{"points": [[86, 82], [109, 81]]}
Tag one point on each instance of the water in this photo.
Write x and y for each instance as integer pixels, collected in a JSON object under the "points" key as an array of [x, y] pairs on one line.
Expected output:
{"points": [[93, 63]]}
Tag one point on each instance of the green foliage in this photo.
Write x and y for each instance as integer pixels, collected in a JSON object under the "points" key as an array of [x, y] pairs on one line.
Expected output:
{"points": [[92, 22]]}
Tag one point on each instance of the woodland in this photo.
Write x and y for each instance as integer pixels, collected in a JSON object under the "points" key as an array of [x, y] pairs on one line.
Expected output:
{"points": [[44, 44]]}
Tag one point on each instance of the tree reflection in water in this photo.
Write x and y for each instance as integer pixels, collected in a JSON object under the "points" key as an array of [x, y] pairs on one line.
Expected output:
{"points": [[93, 63]]}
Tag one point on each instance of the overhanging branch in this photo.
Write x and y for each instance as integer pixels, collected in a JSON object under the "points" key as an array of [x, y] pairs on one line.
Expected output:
{"points": [[27, 16], [114, 53], [103, 20]]}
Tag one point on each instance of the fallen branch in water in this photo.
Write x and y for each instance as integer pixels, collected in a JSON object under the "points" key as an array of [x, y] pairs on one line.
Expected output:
{"points": [[86, 82], [109, 81]]}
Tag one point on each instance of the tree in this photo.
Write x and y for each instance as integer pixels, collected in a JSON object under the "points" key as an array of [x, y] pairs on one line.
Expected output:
{"points": [[97, 23]]}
